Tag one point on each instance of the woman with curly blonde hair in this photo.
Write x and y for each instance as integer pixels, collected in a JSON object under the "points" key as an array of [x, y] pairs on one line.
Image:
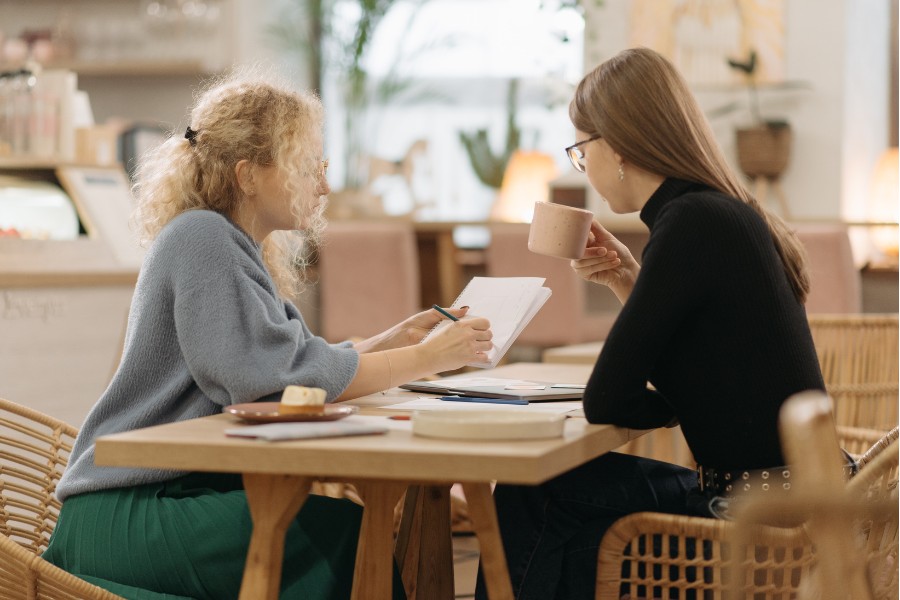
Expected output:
{"points": [[227, 208]]}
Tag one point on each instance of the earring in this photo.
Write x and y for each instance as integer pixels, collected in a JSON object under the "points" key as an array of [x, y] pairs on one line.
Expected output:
{"points": [[621, 173]]}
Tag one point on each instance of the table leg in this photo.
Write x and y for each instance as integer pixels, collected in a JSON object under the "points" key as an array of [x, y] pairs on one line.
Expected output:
{"points": [[484, 521], [274, 501], [424, 548], [409, 536], [373, 574]]}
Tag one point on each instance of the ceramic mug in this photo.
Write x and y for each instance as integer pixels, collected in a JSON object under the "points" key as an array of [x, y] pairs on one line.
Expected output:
{"points": [[559, 230]]}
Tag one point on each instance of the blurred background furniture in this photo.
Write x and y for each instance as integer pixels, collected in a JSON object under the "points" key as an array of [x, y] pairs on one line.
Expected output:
{"points": [[368, 278], [836, 285]]}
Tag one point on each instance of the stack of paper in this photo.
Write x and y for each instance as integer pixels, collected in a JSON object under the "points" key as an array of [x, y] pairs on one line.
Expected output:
{"points": [[509, 303]]}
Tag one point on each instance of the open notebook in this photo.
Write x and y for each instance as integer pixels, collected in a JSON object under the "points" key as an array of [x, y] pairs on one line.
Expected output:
{"points": [[509, 303]]}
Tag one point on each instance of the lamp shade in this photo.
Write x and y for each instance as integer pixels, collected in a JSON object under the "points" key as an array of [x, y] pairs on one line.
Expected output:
{"points": [[525, 181], [884, 203]]}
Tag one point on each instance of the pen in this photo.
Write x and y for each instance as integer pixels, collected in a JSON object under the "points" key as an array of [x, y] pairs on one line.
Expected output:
{"points": [[484, 400], [444, 312]]}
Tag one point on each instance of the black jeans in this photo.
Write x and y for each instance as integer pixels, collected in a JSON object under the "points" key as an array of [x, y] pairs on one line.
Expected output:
{"points": [[551, 532]]}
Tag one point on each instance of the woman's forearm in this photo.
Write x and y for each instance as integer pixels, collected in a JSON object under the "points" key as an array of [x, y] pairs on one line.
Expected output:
{"points": [[383, 370]]}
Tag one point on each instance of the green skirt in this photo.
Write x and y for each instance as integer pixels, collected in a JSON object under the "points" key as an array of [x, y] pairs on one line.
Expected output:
{"points": [[188, 538]]}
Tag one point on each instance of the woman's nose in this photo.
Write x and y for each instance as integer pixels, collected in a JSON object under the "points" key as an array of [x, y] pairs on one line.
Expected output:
{"points": [[324, 189]]}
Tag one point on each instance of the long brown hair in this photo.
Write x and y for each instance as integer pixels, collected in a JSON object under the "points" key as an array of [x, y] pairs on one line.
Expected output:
{"points": [[645, 111], [247, 114]]}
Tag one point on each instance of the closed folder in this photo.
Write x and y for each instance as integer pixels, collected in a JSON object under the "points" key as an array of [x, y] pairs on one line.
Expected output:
{"points": [[549, 392]]}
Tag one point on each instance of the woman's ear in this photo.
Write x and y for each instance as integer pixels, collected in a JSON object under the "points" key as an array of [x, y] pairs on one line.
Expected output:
{"points": [[243, 170]]}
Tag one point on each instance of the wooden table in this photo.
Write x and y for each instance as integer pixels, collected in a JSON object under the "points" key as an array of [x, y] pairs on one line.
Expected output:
{"points": [[277, 477]]}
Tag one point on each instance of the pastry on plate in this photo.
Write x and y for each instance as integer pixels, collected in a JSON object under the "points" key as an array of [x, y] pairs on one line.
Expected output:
{"points": [[298, 399]]}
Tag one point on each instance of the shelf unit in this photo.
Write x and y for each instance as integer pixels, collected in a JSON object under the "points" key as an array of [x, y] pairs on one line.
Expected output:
{"points": [[126, 68], [64, 303]]}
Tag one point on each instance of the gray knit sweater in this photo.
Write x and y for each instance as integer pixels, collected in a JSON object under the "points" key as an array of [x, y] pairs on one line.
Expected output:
{"points": [[206, 329]]}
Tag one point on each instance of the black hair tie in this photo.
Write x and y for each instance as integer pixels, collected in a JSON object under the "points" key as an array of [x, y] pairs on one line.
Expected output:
{"points": [[191, 136]]}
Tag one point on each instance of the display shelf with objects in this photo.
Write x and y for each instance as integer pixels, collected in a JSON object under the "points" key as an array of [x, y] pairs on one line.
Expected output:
{"points": [[133, 38], [125, 68], [68, 265]]}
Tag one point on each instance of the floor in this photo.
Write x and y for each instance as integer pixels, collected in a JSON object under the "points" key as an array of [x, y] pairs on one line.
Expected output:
{"points": [[465, 565]]}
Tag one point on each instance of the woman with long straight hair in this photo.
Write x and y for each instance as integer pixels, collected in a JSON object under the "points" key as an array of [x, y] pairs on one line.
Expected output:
{"points": [[712, 319]]}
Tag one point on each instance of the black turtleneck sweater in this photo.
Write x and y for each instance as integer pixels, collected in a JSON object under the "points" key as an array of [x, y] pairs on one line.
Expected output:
{"points": [[713, 325]]}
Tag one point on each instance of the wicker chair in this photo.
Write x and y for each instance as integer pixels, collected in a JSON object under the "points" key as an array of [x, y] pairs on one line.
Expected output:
{"points": [[34, 450], [655, 555], [877, 480], [859, 359], [852, 526], [886, 441]]}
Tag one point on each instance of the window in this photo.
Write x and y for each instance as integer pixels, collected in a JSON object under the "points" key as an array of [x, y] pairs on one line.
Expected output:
{"points": [[450, 63]]}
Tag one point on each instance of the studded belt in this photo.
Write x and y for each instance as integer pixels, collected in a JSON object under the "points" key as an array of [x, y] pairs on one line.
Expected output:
{"points": [[721, 482]]}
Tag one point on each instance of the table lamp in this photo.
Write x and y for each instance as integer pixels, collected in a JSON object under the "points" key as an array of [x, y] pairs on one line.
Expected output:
{"points": [[883, 206], [525, 181]]}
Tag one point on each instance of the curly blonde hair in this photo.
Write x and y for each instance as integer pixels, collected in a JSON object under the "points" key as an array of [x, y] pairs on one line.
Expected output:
{"points": [[241, 116]]}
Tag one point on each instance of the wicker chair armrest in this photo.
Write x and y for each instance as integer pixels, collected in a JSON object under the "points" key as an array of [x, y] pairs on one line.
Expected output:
{"points": [[619, 546], [617, 539], [27, 575]]}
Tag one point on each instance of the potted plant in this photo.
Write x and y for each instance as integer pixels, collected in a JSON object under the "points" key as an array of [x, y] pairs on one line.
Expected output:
{"points": [[488, 166], [763, 149]]}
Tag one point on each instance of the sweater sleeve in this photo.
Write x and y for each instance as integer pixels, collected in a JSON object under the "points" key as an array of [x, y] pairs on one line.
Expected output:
{"points": [[678, 261], [237, 336]]}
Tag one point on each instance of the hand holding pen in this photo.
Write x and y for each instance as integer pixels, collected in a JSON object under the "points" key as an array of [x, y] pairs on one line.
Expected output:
{"points": [[446, 313], [469, 337]]}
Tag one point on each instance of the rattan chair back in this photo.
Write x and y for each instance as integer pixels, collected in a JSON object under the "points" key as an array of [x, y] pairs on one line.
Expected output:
{"points": [[877, 482], [886, 441], [34, 451], [859, 359]]}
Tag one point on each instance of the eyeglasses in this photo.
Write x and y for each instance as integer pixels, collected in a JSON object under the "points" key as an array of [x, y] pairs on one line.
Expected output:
{"points": [[576, 155], [325, 167]]}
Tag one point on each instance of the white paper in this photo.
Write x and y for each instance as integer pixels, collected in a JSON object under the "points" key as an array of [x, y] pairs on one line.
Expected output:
{"points": [[481, 382], [305, 430], [509, 303]]}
